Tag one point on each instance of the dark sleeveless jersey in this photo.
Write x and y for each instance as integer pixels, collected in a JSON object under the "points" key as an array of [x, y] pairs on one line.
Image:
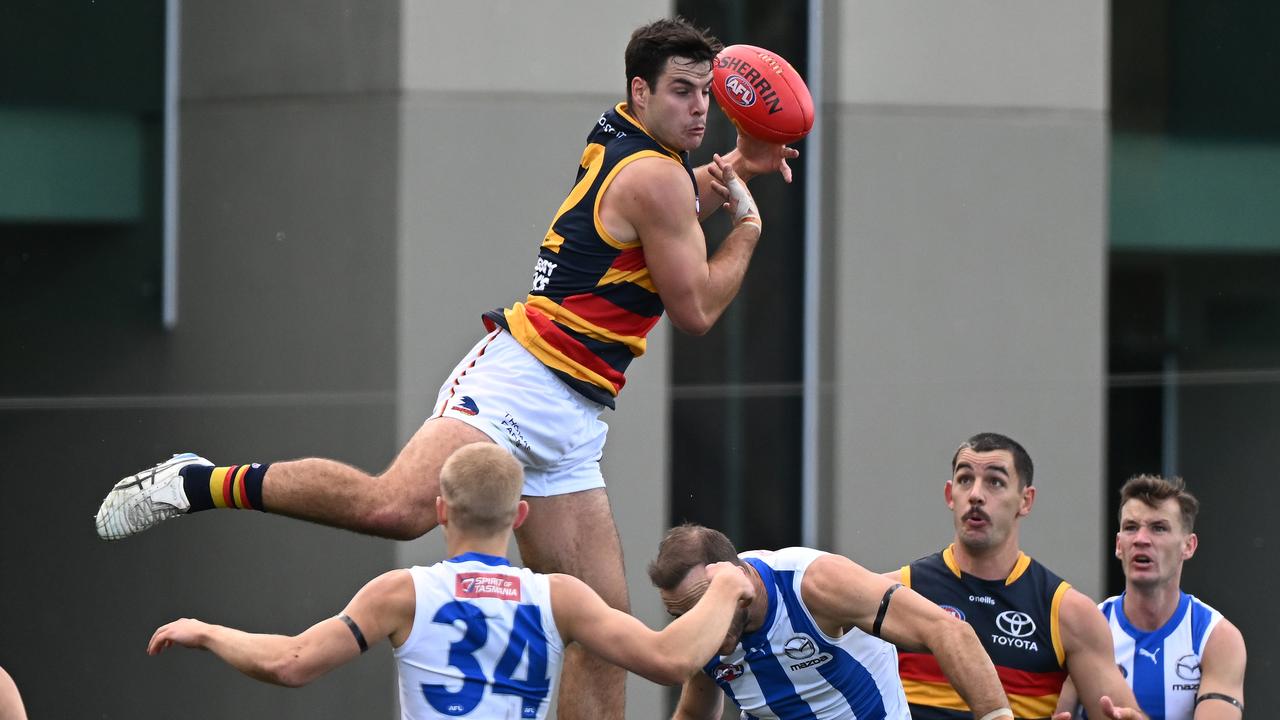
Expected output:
{"points": [[592, 302], [1017, 621]]}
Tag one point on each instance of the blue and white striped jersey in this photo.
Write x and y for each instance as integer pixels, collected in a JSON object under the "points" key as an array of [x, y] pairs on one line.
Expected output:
{"points": [[484, 644], [1163, 666], [789, 669]]}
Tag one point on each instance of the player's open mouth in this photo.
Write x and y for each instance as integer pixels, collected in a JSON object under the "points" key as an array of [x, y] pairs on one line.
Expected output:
{"points": [[975, 518], [1141, 561]]}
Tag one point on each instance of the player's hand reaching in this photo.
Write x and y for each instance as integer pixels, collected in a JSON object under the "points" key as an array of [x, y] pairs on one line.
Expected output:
{"points": [[757, 157], [1109, 710], [732, 573], [740, 204], [185, 632]]}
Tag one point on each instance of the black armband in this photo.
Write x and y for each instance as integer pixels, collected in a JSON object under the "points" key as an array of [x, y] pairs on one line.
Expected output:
{"points": [[884, 607], [355, 630], [1224, 698]]}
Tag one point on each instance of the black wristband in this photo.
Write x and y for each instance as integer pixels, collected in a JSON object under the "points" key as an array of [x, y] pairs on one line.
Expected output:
{"points": [[1219, 696], [355, 630], [884, 607]]}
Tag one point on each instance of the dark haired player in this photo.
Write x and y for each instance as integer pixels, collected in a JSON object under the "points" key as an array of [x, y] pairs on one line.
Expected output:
{"points": [[1036, 628]]}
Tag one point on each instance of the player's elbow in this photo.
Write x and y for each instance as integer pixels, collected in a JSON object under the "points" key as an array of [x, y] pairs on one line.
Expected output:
{"points": [[692, 322], [288, 671], [672, 673], [950, 634]]}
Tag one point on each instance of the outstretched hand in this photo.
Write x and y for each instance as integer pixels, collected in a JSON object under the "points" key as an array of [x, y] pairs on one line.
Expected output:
{"points": [[185, 632], [758, 157]]}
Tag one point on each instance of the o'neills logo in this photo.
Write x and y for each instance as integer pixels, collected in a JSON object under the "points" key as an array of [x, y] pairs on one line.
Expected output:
{"points": [[487, 585]]}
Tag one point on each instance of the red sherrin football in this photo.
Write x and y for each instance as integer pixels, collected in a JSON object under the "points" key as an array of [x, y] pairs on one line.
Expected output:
{"points": [[762, 94]]}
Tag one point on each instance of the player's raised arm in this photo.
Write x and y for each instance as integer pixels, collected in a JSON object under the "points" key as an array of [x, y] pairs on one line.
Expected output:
{"points": [[1091, 662], [383, 608], [667, 657], [652, 200], [844, 594]]}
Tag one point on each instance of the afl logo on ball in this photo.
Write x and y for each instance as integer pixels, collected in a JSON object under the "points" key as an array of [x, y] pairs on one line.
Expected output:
{"points": [[740, 90]]}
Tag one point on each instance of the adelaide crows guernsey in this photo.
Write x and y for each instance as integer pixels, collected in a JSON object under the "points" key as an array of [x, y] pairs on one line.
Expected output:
{"points": [[592, 303], [1163, 666], [1015, 618], [789, 669], [484, 644]]}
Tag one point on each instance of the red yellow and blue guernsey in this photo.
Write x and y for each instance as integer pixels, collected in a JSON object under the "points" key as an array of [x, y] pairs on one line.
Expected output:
{"points": [[1015, 618], [592, 302]]}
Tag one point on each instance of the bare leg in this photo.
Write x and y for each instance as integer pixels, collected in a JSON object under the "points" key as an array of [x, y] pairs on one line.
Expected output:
{"points": [[575, 534], [399, 503]]}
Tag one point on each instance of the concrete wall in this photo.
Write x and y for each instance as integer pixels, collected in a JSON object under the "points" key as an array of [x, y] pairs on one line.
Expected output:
{"points": [[284, 347], [967, 210]]}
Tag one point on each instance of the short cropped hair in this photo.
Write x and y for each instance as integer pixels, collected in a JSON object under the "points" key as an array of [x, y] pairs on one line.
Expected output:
{"points": [[653, 44], [991, 442], [685, 547], [1154, 490], [482, 484]]}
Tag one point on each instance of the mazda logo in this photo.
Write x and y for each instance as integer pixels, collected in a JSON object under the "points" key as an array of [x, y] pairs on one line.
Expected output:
{"points": [[1016, 624], [799, 647], [1189, 667]]}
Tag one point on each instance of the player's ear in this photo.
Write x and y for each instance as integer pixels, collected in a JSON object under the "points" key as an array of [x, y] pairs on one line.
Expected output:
{"points": [[946, 492], [522, 514], [1189, 547], [639, 91], [1028, 499], [442, 511]]}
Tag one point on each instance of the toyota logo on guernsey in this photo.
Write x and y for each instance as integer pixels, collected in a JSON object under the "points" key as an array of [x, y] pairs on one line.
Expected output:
{"points": [[1016, 626]]}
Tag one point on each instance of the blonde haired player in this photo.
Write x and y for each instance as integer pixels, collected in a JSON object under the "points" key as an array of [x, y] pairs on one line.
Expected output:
{"points": [[472, 634]]}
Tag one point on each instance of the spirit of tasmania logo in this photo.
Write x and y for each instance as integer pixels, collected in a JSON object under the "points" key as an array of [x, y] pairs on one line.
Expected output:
{"points": [[487, 585]]}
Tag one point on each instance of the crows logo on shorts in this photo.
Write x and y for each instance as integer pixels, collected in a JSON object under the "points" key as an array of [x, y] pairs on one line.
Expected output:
{"points": [[466, 406]]}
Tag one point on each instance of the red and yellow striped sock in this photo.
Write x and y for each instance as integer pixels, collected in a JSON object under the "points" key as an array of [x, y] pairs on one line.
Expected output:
{"points": [[233, 486]]}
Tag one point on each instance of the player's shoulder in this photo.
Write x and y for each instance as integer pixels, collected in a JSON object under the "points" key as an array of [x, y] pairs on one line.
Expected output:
{"points": [[788, 558], [1108, 606]]}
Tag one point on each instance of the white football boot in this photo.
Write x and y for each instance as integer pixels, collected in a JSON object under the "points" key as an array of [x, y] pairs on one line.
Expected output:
{"points": [[140, 501]]}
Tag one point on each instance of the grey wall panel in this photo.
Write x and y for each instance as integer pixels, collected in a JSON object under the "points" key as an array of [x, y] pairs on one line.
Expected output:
{"points": [[242, 48], [287, 247], [519, 47], [1005, 53], [87, 608], [970, 298]]}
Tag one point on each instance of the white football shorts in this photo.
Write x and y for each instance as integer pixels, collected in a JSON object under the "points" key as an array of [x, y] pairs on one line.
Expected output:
{"points": [[505, 393]]}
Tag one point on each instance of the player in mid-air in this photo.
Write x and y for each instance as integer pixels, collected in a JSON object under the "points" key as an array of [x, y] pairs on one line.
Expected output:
{"points": [[625, 245], [474, 636]]}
